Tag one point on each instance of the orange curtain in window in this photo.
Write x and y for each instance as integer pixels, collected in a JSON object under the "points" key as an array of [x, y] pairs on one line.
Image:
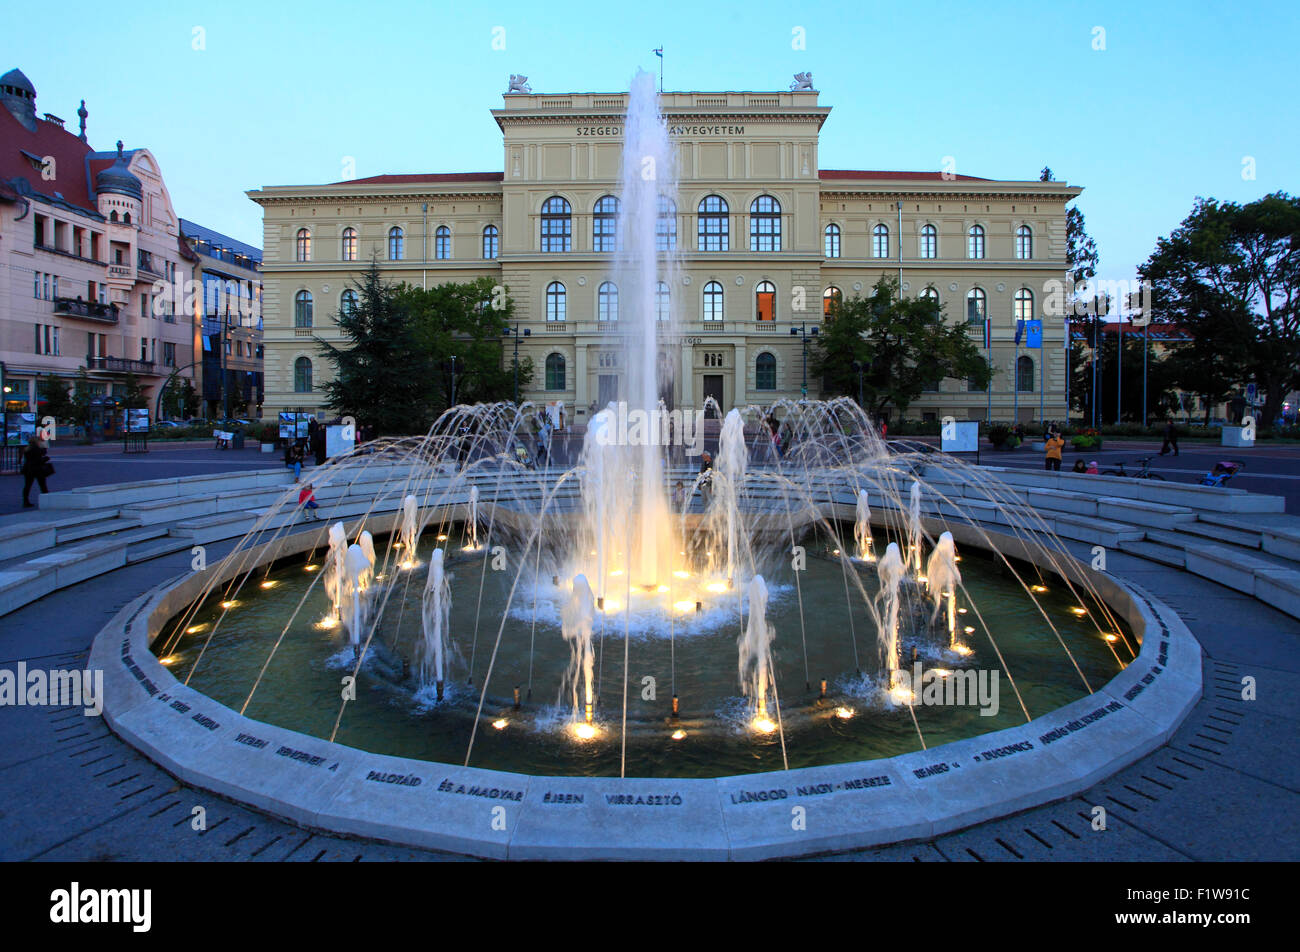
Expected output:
{"points": [[766, 305]]}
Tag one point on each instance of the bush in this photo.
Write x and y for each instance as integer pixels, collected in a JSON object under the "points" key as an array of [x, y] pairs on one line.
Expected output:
{"points": [[1086, 439], [1000, 434]]}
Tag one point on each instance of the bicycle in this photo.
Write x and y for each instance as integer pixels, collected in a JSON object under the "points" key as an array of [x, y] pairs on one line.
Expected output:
{"points": [[1144, 473]]}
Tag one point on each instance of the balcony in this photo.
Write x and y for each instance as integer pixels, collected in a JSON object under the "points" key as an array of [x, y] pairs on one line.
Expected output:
{"points": [[120, 365], [86, 310], [122, 272], [145, 264]]}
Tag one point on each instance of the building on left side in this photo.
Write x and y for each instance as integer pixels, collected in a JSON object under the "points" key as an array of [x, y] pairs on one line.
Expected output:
{"points": [[95, 271]]}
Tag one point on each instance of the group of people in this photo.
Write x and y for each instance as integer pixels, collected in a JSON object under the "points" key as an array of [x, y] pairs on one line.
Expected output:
{"points": [[1052, 447]]}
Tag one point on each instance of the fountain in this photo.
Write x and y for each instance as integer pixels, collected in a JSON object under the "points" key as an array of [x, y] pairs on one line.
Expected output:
{"points": [[756, 657], [891, 572], [352, 603], [335, 569], [472, 524], [728, 479], [409, 534], [862, 527], [576, 627], [914, 528], [942, 578], [435, 624]]}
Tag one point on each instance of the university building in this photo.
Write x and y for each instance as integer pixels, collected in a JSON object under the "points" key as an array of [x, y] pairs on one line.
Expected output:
{"points": [[86, 240], [766, 238]]}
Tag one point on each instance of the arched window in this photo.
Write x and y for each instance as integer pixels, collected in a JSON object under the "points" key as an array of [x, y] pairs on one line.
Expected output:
{"points": [[713, 234], [930, 293], [1023, 305], [832, 242], [764, 372], [977, 306], [112, 216], [765, 301], [302, 309], [126, 217], [396, 244], [1025, 374], [555, 372], [302, 375], [712, 301], [607, 302], [929, 242], [832, 298], [1024, 242], [765, 224], [304, 245], [975, 242], [442, 243], [349, 245], [604, 225], [348, 302], [880, 241], [557, 225], [663, 302], [555, 303], [491, 242], [666, 225]]}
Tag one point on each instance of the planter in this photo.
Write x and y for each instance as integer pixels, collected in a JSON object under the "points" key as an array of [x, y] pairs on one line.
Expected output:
{"points": [[268, 447]]}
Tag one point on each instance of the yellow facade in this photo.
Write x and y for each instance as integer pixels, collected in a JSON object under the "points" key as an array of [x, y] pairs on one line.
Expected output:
{"points": [[738, 146]]}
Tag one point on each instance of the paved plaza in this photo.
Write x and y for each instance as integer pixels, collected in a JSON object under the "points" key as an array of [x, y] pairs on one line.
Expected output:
{"points": [[1225, 787]]}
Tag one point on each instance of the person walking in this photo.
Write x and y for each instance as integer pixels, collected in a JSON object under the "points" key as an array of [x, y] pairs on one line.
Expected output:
{"points": [[1171, 438], [1053, 446], [36, 469]]}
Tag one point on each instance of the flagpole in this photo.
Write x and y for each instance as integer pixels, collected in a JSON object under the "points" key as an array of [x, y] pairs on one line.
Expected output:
{"points": [[660, 53]]}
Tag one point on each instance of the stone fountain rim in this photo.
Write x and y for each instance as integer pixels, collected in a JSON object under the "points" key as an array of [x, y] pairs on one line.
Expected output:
{"points": [[496, 814]]}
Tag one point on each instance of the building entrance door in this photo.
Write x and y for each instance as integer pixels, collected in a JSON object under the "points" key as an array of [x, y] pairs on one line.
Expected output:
{"points": [[608, 390], [712, 388]]}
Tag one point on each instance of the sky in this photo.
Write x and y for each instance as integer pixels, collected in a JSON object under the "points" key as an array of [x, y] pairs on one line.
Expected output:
{"points": [[1146, 105]]}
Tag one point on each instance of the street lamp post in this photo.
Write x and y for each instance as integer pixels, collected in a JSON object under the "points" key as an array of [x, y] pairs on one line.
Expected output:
{"points": [[802, 332], [453, 380], [515, 332], [860, 369]]}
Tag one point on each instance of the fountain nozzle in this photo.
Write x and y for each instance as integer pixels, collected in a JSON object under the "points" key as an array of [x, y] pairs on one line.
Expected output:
{"points": [[674, 705], [516, 697], [439, 688], [823, 687]]}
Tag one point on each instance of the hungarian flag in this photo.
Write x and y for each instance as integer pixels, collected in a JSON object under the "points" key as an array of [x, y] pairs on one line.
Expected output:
{"points": [[988, 334]]}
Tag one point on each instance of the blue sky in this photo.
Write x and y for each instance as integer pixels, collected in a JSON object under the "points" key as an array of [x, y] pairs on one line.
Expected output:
{"points": [[282, 93]]}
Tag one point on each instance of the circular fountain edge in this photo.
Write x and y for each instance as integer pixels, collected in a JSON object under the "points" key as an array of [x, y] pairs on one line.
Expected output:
{"points": [[495, 814]]}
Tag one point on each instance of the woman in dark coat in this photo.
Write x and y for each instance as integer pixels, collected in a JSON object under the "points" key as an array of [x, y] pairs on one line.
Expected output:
{"points": [[36, 466]]}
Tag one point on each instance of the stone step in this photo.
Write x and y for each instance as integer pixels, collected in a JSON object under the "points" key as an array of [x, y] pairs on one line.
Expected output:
{"points": [[155, 548], [88, 530], [1242, 537], [1156, 552]]}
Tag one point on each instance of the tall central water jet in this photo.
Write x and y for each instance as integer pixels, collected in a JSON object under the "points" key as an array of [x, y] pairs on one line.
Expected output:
{"points": [[891, 571], [648, 182], [435, 624], [942, 577], [733, 456]]}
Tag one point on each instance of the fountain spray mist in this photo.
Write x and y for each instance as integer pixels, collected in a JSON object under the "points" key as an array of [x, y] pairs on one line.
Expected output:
{"points": [[891, 571], [435, 622], [942, 577], [576, 625], [756, 654], [733, 456]]}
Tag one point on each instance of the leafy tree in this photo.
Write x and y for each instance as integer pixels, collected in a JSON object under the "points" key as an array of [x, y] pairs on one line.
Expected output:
{"points": [[384, 377], [1229, 275], [1161, 399], [134, 397], [81, 397], [904, 345], [468, 321], [180, 399], [54, 399]]}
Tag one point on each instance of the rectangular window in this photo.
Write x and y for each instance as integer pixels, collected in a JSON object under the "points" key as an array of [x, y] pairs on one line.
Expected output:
{"points": [[36, 285], [45, 284], [169, 354], [56, 285]]}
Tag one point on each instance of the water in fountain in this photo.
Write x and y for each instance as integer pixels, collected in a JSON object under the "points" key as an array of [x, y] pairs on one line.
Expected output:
{"points": [[756, 656], [356, 580], [942, 578], [729, 477], [409, 535], [473, 517], [914, 528], [576, 627], [335, 568], [891, 572], [435, 624], [862, 527]]}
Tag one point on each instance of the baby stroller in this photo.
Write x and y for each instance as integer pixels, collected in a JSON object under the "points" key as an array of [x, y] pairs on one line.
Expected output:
{"points": [[1223, 471]]}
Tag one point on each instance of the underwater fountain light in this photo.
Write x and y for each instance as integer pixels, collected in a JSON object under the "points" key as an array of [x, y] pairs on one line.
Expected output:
{"points": [[763, 724], [1038, 588], [194, 629], [326, 623], [674, 705], [584, 731], [169, 660], [716, 587], [442, 537], [680, 573], [1079, 610], [844, 713], [679, 734], [268, 584], [500, 723], [310, 567], [823, 694], [969, 630], [1111, 637], [406, 566], [229, 603], [962, 650], [684, 605], [901, 694], [662, 589]]}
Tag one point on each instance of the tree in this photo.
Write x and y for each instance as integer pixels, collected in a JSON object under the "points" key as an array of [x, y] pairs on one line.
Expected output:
{"points": [[54, 399], [81, 401], [467, 321], [180, 399], [1161, 399], [385, 376], [904, 345], [133, 397], [1229, 275]]}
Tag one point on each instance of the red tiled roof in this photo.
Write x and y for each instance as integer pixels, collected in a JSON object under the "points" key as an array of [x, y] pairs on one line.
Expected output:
{"points": [[895, 176], [430, 177], [49, 139]]}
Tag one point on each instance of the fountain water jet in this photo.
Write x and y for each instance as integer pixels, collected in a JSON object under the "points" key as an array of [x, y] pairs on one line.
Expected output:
{"points": [[942, 578], [891, 571], [409, 535], [577, 624], [756, 655], [356, 579], [435, 623], [862, 528], [729, 476], [473, 517], [914, 528], [335, 568]]}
